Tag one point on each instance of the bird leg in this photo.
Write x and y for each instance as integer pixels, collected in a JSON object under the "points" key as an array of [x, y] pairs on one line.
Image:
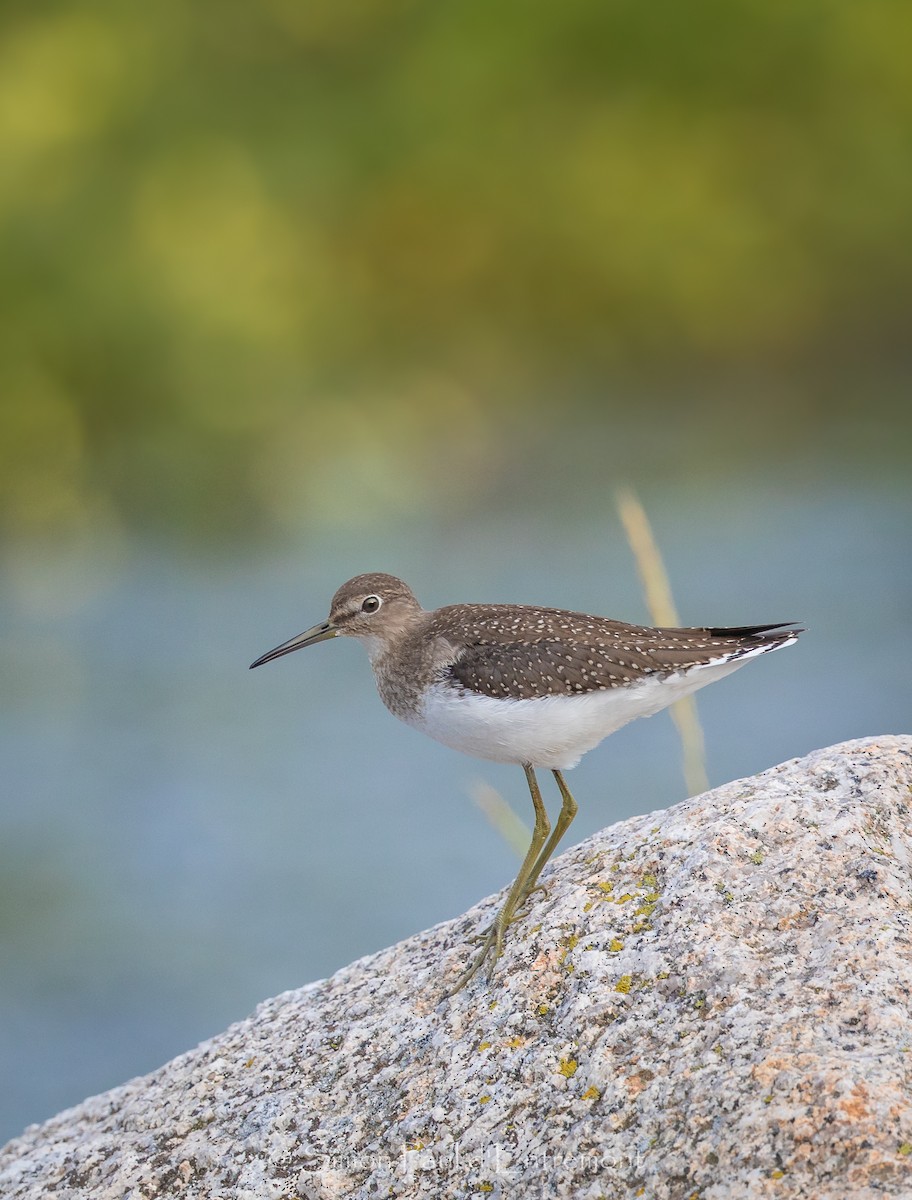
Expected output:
{"points": [[564, 817], [493, 938]]}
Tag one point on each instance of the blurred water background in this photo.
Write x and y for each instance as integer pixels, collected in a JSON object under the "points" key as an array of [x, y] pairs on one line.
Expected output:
{"points": [[294, 291]]}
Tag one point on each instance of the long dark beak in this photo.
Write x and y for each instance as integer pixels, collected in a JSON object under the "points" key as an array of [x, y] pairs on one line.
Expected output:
{"points": [[319, 633]]}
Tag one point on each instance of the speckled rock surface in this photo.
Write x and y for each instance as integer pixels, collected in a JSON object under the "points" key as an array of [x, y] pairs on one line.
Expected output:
{"points": [[712, 1002]]}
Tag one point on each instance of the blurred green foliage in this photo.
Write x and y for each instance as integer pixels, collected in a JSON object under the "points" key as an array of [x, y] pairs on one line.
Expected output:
{"points": [[252, 248]]}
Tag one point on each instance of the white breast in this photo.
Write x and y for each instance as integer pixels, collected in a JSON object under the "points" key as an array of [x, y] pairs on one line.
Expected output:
{"points": [[550, 731]]}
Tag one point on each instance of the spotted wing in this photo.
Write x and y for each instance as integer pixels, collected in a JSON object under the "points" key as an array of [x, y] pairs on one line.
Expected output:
{"points": [[612, 655]]}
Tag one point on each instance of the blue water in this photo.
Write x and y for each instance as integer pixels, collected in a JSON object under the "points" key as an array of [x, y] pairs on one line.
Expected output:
{"points": [[180, 838]]}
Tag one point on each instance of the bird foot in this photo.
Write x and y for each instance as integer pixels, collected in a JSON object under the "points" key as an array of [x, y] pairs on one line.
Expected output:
{"points": [[519, 913], [492, 940], [524, 904]]}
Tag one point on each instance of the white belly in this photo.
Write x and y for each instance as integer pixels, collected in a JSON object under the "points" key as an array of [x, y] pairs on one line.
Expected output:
{"points": [[551, 731]]}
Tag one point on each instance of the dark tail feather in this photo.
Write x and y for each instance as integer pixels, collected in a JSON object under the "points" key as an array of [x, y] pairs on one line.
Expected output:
{"points": [[756, 631]]}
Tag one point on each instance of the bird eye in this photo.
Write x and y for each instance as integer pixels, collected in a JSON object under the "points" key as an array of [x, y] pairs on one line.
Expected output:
{"points": [[371, 604]]}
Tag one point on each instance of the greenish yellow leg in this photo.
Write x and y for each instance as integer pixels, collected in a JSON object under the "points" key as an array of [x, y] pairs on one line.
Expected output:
{"points": [[494, 937], [565, 816]]}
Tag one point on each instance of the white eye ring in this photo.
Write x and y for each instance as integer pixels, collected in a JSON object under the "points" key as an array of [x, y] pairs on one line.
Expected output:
{"points": [[370, 604]]}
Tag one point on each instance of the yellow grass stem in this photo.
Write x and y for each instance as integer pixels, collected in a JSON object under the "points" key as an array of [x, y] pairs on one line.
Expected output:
{"points": [[513, 829], [660, 602]]}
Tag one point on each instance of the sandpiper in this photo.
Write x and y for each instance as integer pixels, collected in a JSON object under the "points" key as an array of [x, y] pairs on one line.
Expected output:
{"points": [[515, 683]]}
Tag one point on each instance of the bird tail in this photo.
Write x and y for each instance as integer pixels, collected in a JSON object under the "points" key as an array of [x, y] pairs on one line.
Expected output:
{"points": [[759, 634]]}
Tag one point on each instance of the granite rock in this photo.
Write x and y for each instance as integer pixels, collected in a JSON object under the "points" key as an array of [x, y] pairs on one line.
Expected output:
{"points": [[711, 1001]]}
